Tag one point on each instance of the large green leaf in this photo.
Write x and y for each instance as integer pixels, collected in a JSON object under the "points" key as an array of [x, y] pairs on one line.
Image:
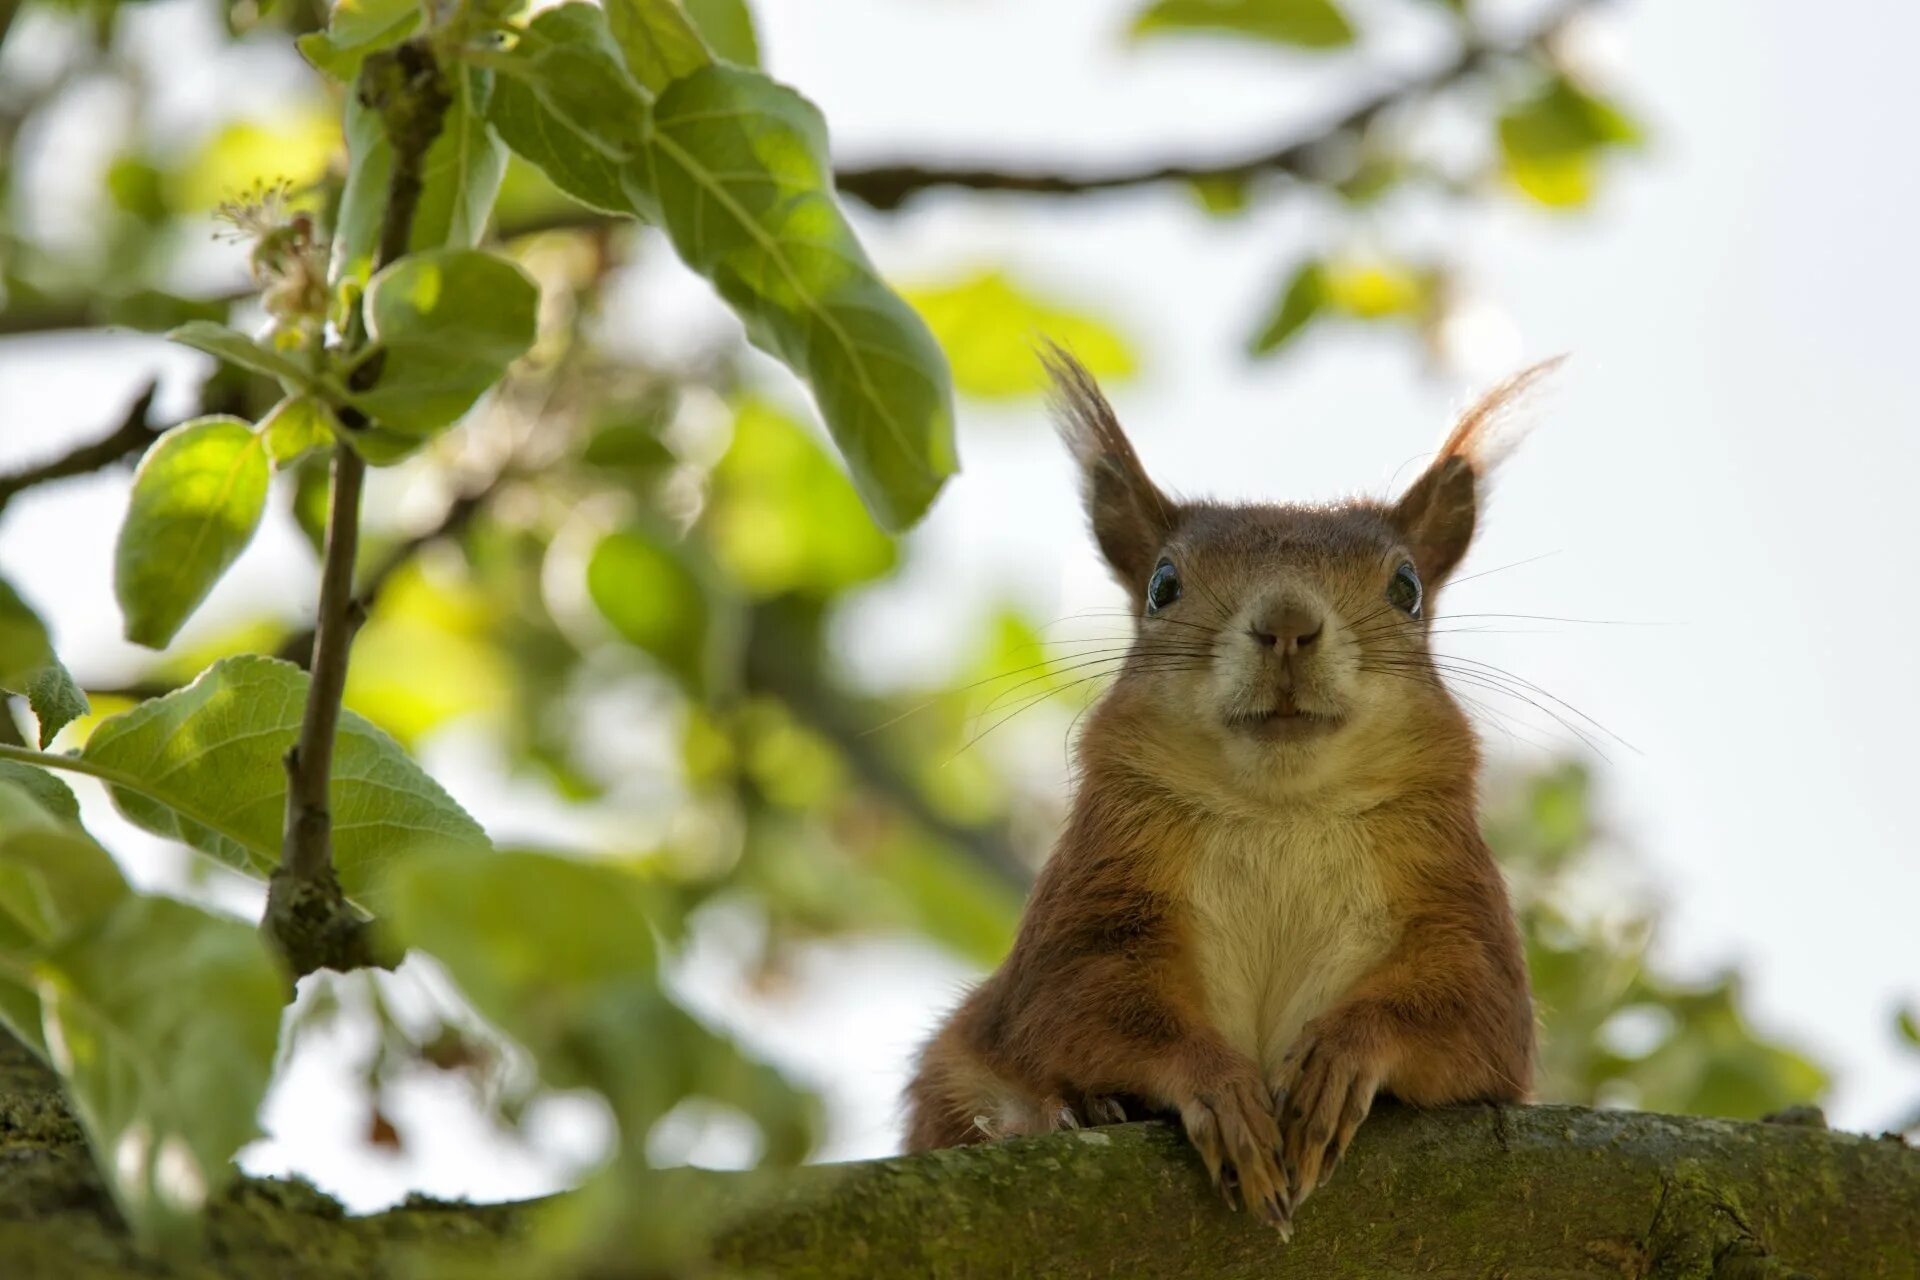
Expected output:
{"points": [[446, 325], [197, 499], [566, 101], [203, 765], [740, 171], [460, 176], [1307, 24], [162, 1020], [357, 28]]}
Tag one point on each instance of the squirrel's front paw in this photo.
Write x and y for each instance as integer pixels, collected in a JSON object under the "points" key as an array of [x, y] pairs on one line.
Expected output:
{"points": [[1324, 1090], [1233, 1128]]}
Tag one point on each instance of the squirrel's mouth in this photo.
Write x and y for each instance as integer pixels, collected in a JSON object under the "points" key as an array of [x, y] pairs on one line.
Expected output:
{"points": [[1284, 723]]}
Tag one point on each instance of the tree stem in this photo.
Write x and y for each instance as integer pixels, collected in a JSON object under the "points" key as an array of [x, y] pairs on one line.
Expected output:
{"points": [[307, 911]]}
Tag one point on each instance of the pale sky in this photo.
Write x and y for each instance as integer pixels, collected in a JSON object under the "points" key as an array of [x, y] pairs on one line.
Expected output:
{"points": [[1721, 473]]}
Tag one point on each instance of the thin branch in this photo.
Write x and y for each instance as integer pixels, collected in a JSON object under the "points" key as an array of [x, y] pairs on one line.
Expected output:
{"points": [[307, 912], [888, 186], [775, 667], [130, 436]]}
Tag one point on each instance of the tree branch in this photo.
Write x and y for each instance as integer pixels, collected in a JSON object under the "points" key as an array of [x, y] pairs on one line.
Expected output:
{"points": [[307, 912], [1470, 1191], [130, 436]]}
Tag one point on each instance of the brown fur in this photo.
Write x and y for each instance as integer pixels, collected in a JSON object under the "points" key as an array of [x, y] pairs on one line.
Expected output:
{"points": [[1217, 887]]}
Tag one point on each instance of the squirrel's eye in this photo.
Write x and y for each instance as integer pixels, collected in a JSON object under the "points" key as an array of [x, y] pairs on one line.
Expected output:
{"points": [[1403, 590], [1163, 588]]}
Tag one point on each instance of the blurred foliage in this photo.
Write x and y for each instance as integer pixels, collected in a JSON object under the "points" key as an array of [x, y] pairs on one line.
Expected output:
{"points": [[622, 574], [1615, 1031]]}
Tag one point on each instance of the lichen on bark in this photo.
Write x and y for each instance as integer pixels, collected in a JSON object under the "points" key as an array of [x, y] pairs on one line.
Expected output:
{"points": [[1526, 1193]]}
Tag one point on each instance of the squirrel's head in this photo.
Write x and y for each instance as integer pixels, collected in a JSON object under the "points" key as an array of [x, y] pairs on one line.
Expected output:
{"points": [[1279, 646]]}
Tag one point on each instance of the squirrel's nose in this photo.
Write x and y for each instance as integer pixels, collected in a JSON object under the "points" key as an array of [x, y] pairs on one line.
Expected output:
{"points": [[1288, 629]]}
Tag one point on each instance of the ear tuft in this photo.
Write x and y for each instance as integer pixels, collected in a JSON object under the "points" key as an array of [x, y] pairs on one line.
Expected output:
{"points": [[1131, 518], [1438, 512]]}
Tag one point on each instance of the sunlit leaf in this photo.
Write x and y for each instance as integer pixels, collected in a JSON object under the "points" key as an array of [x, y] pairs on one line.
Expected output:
{"points": [[357, 28], [459, 176], [990, 325], [566, 101], [727, 26], [203, 765], [55, 698], [296, 425], [1377, 288], [446, 324], [783, 518], [424, 657], [1551, 142], [248, 154], [1307, 24], [162, 1021], [659, 41], [197, 498], [740, 171], [647, 586]]}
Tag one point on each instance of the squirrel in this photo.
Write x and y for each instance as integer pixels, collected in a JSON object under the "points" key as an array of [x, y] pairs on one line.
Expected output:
{"points": [[1271, 901]]}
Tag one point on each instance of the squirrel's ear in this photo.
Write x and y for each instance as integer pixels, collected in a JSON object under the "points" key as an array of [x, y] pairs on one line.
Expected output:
{"points": [[1437, 513], [1131, 518]]}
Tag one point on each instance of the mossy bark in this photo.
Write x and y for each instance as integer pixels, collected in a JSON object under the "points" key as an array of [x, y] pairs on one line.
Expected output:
{"points": [[1534, 1193]]}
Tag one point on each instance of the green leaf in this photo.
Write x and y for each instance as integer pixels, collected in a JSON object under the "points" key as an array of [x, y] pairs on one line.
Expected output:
{"points": [[1550, 142], [203, 766], [162, 1020], [740, 170], [358, 28], [446, 324], [782, 518], [460, 176], [1907, 1023], [989, 323], [1305, 24], [296, 425], [53, 880], [24, 646], [576, 983], [237, 348], [659, 40], [197, 499], [46, 791], [1303, 298], [646, 586], [56, 699], [566, 102], [728, 28]]}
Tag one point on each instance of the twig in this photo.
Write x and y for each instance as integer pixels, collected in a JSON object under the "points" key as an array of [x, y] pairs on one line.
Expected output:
{"points": [[307, 912], [888, 186], [130, 436], [773, 667]]}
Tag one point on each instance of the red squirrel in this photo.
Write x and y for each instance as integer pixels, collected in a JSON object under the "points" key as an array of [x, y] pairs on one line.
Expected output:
{"points": [[1271, 901]]}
